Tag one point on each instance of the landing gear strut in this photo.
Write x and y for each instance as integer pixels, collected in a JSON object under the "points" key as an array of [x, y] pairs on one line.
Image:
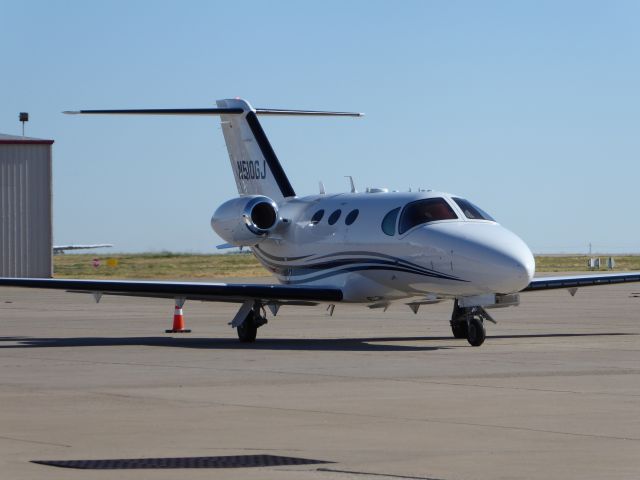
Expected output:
{"points": [[248, 328], [458, 321], [468, 322]]}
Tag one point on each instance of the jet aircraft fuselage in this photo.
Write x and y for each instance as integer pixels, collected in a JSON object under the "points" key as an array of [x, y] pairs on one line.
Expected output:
{"points": [[387, 246]]}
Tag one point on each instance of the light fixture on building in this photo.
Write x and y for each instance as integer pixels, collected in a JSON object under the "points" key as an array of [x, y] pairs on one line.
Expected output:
{"points": [[24, 117]]}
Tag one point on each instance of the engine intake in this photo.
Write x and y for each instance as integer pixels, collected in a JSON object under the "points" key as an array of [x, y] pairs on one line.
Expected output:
{"points": [[260, 215], [245, 221]]}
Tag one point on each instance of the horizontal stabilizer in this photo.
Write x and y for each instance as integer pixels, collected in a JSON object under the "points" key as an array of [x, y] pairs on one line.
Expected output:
{"points": [[213, 111], [310, 113], [256, 168], [162, 111]]}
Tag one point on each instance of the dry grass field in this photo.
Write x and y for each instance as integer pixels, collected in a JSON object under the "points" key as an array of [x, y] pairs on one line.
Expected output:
{"points": [[165, 265], [578, 263], [168, 265]]}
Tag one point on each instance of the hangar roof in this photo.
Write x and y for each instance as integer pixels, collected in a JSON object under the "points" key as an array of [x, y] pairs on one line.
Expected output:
{"points": [[15, 140]]}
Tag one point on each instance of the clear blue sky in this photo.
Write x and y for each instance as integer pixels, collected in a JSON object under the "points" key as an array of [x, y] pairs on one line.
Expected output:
{"points": [[530, 109]]}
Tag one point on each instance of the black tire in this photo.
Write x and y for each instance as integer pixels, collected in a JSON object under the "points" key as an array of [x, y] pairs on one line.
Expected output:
{"points": [[248, 331], [459, 329], [476, 332]]}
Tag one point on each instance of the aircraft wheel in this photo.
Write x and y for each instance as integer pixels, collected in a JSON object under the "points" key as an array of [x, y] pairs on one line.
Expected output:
{"points": [[476, 332], [248, 330], [459, 329]]}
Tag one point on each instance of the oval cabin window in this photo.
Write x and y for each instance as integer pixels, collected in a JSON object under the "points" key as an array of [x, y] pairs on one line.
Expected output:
{"points": [[333, 218], [351, 217], [317, 217]]}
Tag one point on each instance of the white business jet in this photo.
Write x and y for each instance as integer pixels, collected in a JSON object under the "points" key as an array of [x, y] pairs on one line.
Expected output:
{"points": [[373, 248]]}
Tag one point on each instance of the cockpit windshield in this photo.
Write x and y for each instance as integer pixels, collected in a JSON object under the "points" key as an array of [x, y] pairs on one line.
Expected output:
{"points": [[425, 211], [471, 211]]}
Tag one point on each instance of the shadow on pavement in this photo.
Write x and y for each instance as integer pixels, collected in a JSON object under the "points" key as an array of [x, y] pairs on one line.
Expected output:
{"points": [[368, 344]]}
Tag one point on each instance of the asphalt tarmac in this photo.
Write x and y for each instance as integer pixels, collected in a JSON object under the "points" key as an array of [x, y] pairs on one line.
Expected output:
{"points": [[553, 393]]}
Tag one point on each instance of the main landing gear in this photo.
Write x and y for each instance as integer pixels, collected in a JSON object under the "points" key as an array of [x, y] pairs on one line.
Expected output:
{"points": [[249, 318], [468, 322]]}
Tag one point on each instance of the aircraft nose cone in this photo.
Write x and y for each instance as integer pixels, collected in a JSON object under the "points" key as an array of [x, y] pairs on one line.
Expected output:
{"points": [[507, 260], [516, 268], [490, 257]]}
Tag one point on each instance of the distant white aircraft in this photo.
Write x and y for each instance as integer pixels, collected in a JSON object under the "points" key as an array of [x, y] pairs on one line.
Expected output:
{"points": [[374, 248], [60, 249]]}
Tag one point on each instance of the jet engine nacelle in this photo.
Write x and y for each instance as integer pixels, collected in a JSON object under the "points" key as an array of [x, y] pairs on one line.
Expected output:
{"points": [[245, 221]]}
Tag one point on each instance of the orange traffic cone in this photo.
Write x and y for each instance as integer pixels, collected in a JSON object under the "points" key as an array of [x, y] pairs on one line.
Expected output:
{"points": [[178, 322]]}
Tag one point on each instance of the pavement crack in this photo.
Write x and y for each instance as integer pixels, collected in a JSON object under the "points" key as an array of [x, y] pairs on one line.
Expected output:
{"points": [[526, 389], [37, 442], [430, 420], [386, 475]]}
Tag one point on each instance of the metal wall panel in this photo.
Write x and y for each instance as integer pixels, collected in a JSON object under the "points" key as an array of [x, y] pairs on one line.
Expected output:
{"points": [[25, 210]]}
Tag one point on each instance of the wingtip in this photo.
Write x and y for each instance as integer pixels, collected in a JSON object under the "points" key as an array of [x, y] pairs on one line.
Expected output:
{"points": [[71, 112]]}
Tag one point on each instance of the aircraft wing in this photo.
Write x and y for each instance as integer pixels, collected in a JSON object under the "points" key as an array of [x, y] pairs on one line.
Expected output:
{"points": [[576, 281], [211, 292]]}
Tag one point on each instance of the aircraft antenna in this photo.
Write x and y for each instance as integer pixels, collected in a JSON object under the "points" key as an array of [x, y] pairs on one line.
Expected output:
{"points": [[353, 187]]}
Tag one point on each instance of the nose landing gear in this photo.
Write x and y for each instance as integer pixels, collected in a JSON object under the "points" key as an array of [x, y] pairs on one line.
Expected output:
{"points": [[468, 322]]}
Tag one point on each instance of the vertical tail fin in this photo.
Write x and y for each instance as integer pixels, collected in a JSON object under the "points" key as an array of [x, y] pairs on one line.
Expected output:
{"points": [[256, 167]]}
